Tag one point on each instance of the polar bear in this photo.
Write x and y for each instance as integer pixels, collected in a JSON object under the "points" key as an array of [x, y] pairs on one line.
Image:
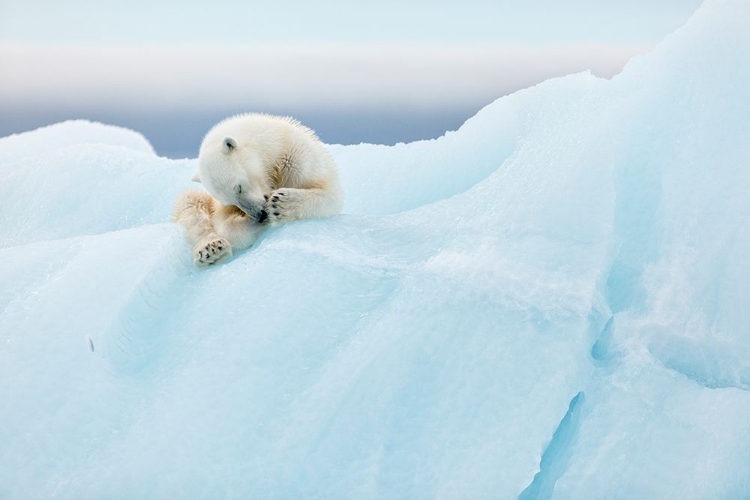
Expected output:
{"points": [[259, 170]]}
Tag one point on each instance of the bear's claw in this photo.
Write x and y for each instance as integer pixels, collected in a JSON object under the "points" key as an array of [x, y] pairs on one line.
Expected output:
{"points": [[211, 251], [282, 206]]}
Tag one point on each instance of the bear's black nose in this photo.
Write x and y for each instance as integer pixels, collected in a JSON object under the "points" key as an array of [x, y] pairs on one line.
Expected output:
{"points": [[263, 215]]}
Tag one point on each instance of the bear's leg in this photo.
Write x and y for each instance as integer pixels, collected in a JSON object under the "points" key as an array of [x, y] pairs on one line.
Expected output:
{"points": [[194, 210], [288, 204], [234, 225]]}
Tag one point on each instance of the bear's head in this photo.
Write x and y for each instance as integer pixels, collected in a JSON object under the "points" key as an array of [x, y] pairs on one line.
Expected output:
{"points": [[234, 174]]}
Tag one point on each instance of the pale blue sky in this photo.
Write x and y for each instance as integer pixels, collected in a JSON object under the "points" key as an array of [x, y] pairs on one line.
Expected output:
{"points": [[385, 71], [225, 21]]}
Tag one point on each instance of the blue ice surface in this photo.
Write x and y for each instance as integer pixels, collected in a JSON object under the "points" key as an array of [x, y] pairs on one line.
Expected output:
{"points": [[551, 302]]}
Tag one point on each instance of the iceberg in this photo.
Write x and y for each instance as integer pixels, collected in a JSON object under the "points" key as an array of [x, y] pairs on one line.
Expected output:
{"points": [[549, 302]]}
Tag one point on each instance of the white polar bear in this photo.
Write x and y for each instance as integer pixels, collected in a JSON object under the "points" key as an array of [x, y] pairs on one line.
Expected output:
{"points": [[258, 169]]}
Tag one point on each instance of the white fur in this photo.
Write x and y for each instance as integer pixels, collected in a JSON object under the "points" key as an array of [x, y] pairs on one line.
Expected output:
{"points": [[254, 165]]}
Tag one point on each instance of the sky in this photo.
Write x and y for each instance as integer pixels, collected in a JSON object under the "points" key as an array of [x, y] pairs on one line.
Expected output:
{"points": [[383, 72]]}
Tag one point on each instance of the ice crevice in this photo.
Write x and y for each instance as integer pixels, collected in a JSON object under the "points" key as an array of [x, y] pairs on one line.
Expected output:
{"points": [[557, 454], [600, 348]]}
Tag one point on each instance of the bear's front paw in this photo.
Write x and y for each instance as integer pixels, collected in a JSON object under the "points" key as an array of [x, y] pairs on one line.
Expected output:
{"points": [[211, 251], [283, 205]]}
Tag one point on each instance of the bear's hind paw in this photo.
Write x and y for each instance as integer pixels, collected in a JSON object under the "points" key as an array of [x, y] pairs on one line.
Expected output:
{"points": [[212, 251]]}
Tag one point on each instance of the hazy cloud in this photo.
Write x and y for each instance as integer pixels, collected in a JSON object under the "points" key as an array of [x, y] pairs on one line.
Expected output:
{"points": [[322, 75]]}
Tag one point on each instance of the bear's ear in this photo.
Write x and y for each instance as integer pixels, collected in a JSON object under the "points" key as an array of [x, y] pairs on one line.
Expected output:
{"points": [[196, 177], [228, 145]]}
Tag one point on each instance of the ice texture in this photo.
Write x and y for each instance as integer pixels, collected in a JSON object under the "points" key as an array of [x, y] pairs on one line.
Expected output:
{"points": [[551, 302]]}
